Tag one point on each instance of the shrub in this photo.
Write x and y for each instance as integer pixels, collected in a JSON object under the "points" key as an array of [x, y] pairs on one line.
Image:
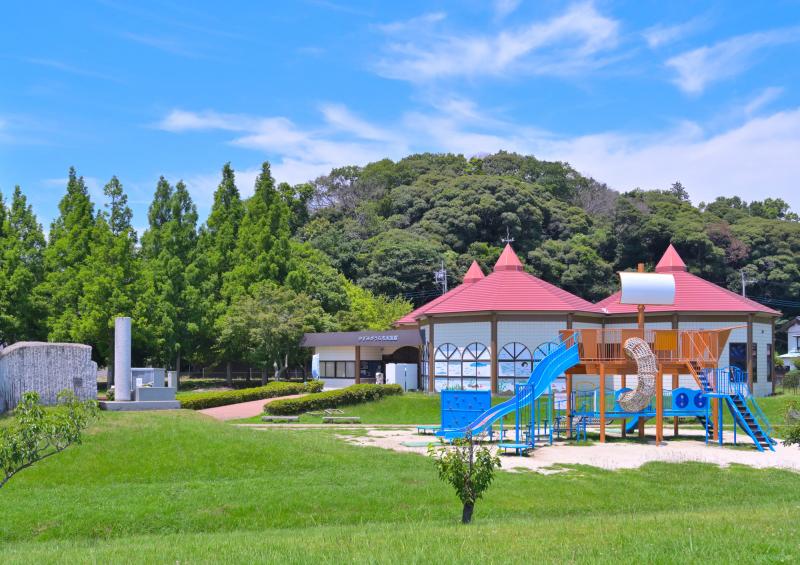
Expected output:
{"points": [[792, 380], [37, 432], [200, 400], [354, 394]]}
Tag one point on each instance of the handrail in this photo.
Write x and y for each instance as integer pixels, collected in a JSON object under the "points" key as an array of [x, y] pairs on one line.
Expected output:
{"points": [[702, 346]]}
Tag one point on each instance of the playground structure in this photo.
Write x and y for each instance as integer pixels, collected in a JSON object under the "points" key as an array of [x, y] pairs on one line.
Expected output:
{"points": [[649, 355]]}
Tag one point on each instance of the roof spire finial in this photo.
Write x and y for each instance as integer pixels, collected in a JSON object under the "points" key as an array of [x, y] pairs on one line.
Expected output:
{"points": [[507, 239]]}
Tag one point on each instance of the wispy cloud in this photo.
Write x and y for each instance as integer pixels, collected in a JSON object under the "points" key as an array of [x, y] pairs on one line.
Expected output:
{"points": [[503, 8], [698, 68], [766, 97], [563, 45], [299, 153], [68, 68], [165, 44], [660, 35]]}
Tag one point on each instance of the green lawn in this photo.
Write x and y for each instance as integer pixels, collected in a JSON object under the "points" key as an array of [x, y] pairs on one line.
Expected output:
{"points": [[176, 486], [409, 408]]}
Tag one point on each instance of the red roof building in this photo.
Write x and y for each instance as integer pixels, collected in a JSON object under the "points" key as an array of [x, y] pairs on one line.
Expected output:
{"points": [[507, 289], [692, 294]]}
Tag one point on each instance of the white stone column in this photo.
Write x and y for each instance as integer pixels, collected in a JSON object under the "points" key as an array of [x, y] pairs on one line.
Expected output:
{"points": [[122, 359]]}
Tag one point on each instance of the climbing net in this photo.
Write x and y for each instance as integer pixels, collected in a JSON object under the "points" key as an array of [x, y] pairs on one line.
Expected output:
{"points": [[637, 399]]}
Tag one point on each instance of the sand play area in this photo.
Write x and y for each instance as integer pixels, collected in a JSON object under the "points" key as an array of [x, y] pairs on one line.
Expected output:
{"points": [[607, 456]]}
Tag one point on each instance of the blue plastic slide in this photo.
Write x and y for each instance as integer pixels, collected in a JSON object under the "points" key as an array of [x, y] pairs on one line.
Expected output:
{"points": [[544, 373]]}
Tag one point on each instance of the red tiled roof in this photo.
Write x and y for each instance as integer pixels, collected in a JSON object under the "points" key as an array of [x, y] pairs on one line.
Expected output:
{"points": [[508, 261], [474, 274], [692, 294], [507, 289], [670, 261]]}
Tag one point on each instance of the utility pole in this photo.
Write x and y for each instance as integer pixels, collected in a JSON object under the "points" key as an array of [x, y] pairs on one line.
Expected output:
{"points": [[744, 282], [440, 278]]}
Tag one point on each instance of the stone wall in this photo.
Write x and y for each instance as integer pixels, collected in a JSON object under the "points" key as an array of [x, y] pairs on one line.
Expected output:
{"points": [[46, 368]]}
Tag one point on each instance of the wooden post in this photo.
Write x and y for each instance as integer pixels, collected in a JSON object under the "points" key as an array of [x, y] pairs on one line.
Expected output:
{"points": [[602, 401], [675, 377], [623, 384], [750, 352], [431, 358], [640, 308], [659, 406], [569, 404], [494, 355], [358, 364]]}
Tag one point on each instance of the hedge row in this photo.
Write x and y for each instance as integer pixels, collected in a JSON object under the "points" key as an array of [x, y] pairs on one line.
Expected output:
{"points": [[354, 394], [200, 400]]}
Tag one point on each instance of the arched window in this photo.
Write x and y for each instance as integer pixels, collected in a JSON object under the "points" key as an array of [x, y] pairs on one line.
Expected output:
{"points": [[476, 361], [515, 363], [447, 361], [515, 360]]}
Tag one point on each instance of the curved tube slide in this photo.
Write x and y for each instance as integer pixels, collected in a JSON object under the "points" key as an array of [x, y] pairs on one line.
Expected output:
{"points": [[637, 399]]}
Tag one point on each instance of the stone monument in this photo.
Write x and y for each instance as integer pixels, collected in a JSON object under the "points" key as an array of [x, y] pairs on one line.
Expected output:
{"points": [[46, 368]]}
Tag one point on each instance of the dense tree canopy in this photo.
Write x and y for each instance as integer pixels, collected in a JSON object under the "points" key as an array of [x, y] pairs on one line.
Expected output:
{"points": [[355, 249]]}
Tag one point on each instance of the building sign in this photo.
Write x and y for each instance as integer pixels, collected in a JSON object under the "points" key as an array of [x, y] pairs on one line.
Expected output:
{"points": [[363, 338]]}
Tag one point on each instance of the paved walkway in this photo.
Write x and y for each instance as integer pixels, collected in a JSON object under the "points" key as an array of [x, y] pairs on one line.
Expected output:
{"points": [[243, 409]]}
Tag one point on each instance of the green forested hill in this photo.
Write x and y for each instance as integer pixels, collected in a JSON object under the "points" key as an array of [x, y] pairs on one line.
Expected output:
{"points": [[388, 225], [355, 249]]}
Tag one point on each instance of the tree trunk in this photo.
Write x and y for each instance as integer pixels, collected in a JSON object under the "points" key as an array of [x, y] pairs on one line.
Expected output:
{"points": [[264, 376], [228, 375], [466, 515]]}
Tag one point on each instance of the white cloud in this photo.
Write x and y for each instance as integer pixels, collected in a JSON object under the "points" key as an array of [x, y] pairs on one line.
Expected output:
{"points": [[298, 154], [503, 8], [660, 35], [562, 45], [700, 67], [755, 158]]}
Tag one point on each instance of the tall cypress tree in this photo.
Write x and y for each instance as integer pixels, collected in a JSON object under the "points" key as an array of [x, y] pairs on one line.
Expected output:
{"points": [[23, 313], [68, 249], [169, 302], [110, 274], [215, 257], [262, 249]]}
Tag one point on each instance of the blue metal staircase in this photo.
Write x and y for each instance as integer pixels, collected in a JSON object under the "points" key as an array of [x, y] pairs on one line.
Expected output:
{"points": [[749, 422], [731, 384]]}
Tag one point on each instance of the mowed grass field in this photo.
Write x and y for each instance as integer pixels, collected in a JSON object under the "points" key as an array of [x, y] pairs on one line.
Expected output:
{"points": [[409, 408], [179, 487]]}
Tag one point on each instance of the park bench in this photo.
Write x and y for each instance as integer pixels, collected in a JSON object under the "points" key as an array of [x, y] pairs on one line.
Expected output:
{"points": [[518, 448], [341, 419], [280, 419], [423, 430]]}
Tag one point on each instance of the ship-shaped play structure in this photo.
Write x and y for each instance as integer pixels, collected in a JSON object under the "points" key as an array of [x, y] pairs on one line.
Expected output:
{"points": [[536, 412]]}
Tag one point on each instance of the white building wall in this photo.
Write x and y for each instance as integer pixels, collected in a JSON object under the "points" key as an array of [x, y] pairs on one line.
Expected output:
{"points": [[762, 336], [462, 334], [531, 334]]}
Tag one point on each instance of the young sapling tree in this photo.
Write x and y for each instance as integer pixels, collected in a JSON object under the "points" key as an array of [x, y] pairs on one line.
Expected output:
{"points": [[468, 468]]}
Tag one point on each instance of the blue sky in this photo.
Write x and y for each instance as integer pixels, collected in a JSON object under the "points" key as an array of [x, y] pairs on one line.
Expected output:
{"points": [[634, 94]]}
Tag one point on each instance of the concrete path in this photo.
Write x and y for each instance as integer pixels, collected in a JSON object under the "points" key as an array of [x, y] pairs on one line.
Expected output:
{"points": [[243, 409]]}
